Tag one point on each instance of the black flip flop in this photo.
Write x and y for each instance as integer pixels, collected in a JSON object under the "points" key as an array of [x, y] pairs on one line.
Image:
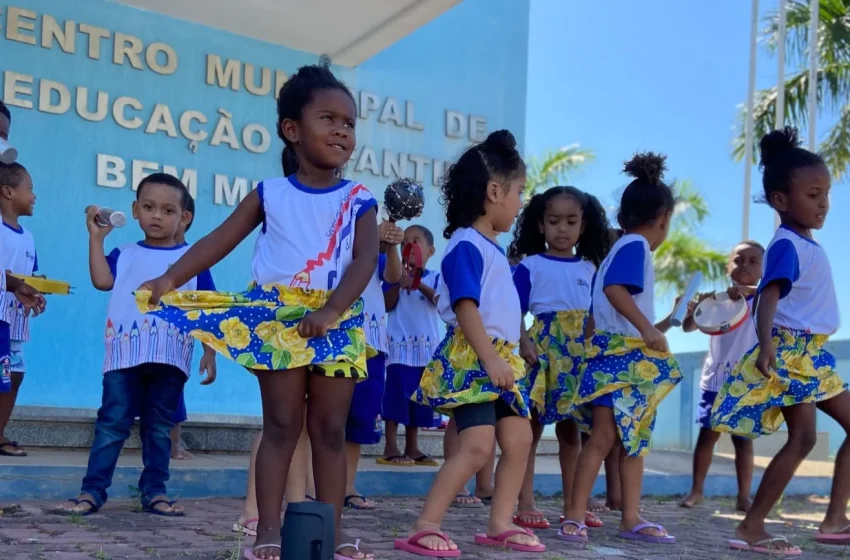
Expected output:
{"points": [[151, 508], [350, 504], [76, 502], [4, 453]]}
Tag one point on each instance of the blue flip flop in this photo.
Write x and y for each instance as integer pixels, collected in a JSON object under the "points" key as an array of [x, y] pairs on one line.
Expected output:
{"points": [[151, 508]]}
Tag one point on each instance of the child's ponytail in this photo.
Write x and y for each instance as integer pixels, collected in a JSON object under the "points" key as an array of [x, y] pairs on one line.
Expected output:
{"points": [[595, 240], [528, 238]]}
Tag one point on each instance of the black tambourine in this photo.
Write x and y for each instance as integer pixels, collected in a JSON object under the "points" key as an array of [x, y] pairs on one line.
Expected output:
{"points": [[404, 199]]}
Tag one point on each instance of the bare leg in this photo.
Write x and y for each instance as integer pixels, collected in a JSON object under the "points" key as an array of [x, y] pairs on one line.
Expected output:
{"points": [[838, 408], [248, 518], [352, 460], [703, 453], [450, 445], [7, 404], [527, 510], [177, 450], [391, 445], [613, 488], [631, 475], [802, 438], [744, 471], [515, 436], [569, 447], [299, 470], [484, 477]]}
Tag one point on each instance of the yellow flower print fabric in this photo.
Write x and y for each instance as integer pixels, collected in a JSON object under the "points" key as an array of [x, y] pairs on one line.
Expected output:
{"points": [[258, 329], [749, 404], [455, 377]]}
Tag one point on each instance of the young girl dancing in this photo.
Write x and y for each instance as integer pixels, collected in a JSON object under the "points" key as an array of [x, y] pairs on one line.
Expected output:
{"points": [[563, 236], [629, 368], [724, 352], [300, 330], [789, 374], [475, 374]]}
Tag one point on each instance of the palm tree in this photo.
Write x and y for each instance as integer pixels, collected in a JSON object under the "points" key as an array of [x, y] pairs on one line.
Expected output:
{"points": [[833, 79], [683, 252], [555, 167]]}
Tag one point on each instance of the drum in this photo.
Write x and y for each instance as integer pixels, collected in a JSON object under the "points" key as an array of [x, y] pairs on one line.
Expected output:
{"points": [[720, 314]]}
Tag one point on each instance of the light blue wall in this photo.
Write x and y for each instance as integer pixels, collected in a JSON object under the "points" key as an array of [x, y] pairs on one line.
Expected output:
{"points": [[472, 59]]}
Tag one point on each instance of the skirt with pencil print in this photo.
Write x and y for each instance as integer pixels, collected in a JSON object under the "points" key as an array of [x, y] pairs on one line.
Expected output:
{"points": [[622, 373], [454, 377], [258, 329], [559, 339], [749, 404]]}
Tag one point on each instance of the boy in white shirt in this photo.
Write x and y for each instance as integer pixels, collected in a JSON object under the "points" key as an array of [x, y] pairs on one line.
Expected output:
{"points": [[147, 359], [19, 257]]}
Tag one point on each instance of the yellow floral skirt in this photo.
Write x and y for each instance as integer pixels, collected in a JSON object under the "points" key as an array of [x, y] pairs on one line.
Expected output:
{"points": [[623, 374], [750, 404], [559, 339], [455, 377], [258, 329]]}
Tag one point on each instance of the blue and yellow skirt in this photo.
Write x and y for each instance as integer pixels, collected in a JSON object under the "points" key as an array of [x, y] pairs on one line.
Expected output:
{"points": [[258, 329], [559, 339], [749, 404], [621, 372], [455, 377]]}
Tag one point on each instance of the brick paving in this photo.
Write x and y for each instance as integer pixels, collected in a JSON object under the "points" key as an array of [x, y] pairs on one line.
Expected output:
{"points": [[122, 531]]}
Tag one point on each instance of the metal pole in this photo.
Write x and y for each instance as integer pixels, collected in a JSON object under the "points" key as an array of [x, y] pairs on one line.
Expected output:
{"points": [[780, 80], [813, 72], [748, 139]]}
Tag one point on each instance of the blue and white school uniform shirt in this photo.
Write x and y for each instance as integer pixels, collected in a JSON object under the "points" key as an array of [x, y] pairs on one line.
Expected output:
{"points": [[548, 284], [131, 337], [725, 351], [475, 267], [807, 293], [413, 326], [19, 256], [374, 309], [629, 264], [308, 234]]}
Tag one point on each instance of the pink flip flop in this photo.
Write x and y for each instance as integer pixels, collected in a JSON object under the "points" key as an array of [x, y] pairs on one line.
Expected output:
{"points": [[842, 537], [501, 541], [573, 538], [249, 552], [760, 548], [244, 529], [412, 545]]}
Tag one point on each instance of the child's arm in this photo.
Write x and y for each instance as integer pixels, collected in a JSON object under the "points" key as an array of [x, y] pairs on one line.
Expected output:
{"points": [[391, 289], [100, 268], [213, 247], [353, 282], [522, 282], [589, 326], [428, 292], [781, 270], [389, 247], [621, 300]]}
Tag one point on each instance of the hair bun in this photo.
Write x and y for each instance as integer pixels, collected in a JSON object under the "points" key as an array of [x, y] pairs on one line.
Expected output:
{"points": [[646, 166], [501, 139], [777, 143]]}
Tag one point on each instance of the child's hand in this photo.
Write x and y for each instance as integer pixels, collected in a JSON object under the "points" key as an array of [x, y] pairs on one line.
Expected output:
{"points": [[32, 300], [766, 362], [500, 373], [317, 323], [735, 292], [406, 282], [655, 340], [158, 288], [527, 350], [390, 233], [96, 231], [208, 366]]}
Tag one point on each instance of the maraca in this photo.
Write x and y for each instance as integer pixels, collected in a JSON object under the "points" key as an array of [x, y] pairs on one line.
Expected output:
{"points": [[404, 199]]}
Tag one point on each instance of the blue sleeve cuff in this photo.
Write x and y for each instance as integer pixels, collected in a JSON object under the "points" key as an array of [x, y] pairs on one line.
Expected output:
{"points": [[522, 281], [781, 266], [626, 268], [112, 261], [205, 281], [365, 206], [382, 265], [462, 270]]}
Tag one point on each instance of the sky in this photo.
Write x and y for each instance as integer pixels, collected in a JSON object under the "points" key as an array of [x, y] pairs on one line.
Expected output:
{"points": [[665, 76]]}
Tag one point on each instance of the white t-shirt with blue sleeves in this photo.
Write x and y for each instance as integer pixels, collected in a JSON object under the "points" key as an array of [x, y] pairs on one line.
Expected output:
{"points": [[133, 338], [374, 309], [413, 326], [549, 284], [629, 264], [307, 237], [475, 267], [19, 256], [808, 301]]}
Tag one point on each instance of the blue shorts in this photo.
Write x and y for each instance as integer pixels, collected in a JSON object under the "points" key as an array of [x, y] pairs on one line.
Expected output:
{"points": [[603, 400], [364, 416], [706, 402], [402, 382], [180, 414], [5, 358]]}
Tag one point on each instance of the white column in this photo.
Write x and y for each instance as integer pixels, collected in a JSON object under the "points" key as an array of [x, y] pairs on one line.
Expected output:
{"points": [[749, 125], [813, 73], [780, 79]]}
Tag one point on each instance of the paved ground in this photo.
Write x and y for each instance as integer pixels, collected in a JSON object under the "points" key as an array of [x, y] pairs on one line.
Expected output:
{"points": [[120, 531]]}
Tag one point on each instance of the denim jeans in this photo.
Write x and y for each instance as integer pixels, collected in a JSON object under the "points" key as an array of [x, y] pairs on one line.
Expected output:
{"points": [[151, 391]]}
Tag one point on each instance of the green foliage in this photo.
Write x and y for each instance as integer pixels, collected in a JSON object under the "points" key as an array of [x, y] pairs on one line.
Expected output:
{"points": [[556, 167]]}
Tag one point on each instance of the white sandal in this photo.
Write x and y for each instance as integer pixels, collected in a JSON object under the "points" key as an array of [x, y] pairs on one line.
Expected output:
{"points": [[249, 552], [355, 546]]}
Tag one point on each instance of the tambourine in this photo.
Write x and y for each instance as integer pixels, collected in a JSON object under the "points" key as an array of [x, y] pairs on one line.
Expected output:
{"points": [[404, 199], [411, 262], [47, 286], [720, 314]]}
